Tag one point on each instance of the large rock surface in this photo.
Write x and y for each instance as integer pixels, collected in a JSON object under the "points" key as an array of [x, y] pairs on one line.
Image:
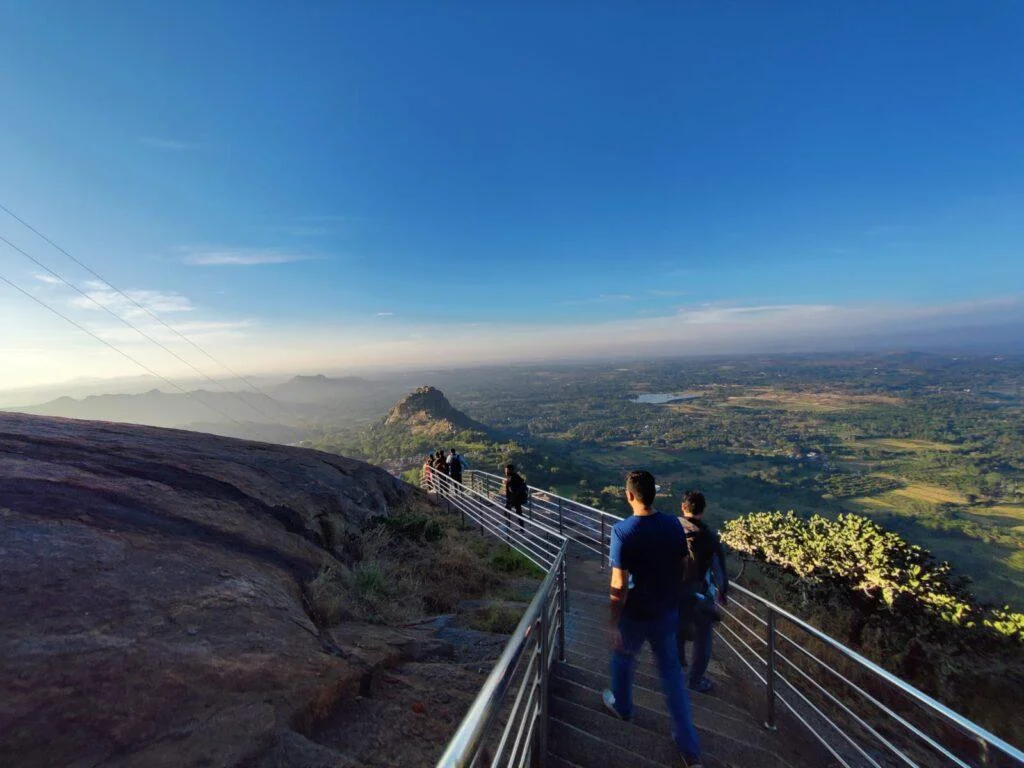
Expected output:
{"points": [[152, 609]]}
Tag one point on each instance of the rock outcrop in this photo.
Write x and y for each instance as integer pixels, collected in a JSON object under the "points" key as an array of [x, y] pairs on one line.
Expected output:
{"points": [[426, 410], [153, 606]]}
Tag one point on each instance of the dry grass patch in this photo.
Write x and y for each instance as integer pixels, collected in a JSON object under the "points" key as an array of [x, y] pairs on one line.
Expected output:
{"points": [[414, 564], [932, 494], [820, 402], [906, 446]]}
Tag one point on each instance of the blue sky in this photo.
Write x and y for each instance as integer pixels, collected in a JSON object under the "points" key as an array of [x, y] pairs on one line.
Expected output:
{"points": [[321, 185]]}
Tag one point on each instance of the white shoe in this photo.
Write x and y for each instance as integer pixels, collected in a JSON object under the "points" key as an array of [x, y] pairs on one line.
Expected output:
{"points": [[609, 703]]}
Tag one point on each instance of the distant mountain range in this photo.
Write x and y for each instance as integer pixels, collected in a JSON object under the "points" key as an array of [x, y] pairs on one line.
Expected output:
{"points": [[287, 403]]}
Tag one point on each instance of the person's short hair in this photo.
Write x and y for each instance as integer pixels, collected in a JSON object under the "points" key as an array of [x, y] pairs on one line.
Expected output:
{"points": [[694, 503], [510, 467], [641, 484]]}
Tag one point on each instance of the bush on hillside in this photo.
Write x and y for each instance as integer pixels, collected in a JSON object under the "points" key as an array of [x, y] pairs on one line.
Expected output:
{"points": [[878, 570]]}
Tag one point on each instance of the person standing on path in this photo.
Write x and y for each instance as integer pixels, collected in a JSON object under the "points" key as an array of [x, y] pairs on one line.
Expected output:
{"points": [[455, 466], [648, 554], [697, 612], [517, 493]]}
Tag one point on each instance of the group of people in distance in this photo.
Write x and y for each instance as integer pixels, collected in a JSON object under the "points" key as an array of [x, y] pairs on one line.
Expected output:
{"points": [[438, 464], [667, 574]]}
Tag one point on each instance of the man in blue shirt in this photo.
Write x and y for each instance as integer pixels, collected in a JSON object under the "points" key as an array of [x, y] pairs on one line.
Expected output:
{"points": [[648, 551]]}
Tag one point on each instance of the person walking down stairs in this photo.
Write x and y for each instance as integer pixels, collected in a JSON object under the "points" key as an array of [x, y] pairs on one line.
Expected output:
{"points": [[648, 553], [705, 583]]}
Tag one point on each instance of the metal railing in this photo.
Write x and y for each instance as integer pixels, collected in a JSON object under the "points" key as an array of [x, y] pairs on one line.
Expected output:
{"points": [[584, 524], [862, 714], [506, 725]]}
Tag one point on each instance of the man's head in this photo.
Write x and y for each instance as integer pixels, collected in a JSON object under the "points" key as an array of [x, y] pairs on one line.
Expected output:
{"points": [[640, 489], [693, 504], [509, 469]]}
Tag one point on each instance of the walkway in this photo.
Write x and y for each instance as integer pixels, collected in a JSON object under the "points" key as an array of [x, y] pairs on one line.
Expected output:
{"points": [[583, 735]]}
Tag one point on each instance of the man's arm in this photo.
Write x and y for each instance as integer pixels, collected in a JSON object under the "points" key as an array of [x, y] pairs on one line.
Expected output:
{"points": [[618, 589], [617, 593]]}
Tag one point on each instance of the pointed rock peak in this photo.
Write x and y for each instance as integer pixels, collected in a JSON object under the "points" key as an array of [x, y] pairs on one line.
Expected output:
{"points": [[426, 405]]}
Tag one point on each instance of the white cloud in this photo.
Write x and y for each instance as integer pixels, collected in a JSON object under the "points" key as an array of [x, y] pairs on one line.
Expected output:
{"points": [[241, 257], [385, 314], [200, 331], [171, 145], [48, 279], [99, 295]]}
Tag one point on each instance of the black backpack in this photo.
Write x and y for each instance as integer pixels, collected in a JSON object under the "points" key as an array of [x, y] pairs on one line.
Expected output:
{"points": [[700, 549], [455, 465], [517, 488]]}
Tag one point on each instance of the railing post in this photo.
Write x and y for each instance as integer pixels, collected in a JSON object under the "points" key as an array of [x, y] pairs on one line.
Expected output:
{"points": [[562, 590], [561, 532], [601, 547], [540, 748], [769, 722]]}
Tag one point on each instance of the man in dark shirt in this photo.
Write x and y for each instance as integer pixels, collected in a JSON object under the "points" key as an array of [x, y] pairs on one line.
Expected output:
{"points": [[697, 611], [648, 551]]}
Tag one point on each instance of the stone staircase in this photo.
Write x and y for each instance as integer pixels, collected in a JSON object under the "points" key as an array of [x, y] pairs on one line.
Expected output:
{"points": [[582, 734]]}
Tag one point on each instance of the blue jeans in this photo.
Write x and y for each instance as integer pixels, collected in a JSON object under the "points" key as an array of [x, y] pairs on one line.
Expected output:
{"points": [[661, 634], [700, 624]]}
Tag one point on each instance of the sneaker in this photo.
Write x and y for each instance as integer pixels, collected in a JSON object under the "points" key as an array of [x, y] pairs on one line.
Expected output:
{"points": [[690, 761], [609, 703], [702, 686]]}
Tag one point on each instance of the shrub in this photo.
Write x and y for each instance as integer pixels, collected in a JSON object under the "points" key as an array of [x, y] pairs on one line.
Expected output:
{"points": [[879, 570], [508, 560], [497, 619], [412, 526]]}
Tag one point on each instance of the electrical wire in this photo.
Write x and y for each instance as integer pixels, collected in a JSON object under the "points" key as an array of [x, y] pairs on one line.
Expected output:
{"points": [[119, 351]]}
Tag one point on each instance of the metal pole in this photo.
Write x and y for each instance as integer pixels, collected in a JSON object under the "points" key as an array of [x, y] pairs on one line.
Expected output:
{"points": [[560, 531], [983, 753], [561, 609], [769, 722], [601, 547], [540, 749]]}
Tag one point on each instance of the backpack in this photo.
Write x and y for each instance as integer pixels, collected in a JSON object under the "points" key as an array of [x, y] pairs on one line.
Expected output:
{"points": [[517, 488], [700, 548], [455, 465]]}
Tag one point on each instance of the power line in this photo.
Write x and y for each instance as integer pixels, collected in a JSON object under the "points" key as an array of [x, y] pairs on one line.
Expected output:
{"points": [[153, 315], [138, 330], [119, 351]]}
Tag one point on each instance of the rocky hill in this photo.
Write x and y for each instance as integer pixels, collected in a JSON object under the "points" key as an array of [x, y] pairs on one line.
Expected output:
{"points": [[179, 599], [427, 411]]}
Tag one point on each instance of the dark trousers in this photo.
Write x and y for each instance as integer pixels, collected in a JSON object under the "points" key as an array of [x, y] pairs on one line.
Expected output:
{"points": [[695, 625], [661, 634], [509, 506]]}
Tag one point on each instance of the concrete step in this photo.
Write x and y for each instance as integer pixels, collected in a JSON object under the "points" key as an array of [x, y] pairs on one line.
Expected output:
{"points": [[554, 761], [652, 712], [581, 748], [656, 746], [652, 697], [646, 676]]}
